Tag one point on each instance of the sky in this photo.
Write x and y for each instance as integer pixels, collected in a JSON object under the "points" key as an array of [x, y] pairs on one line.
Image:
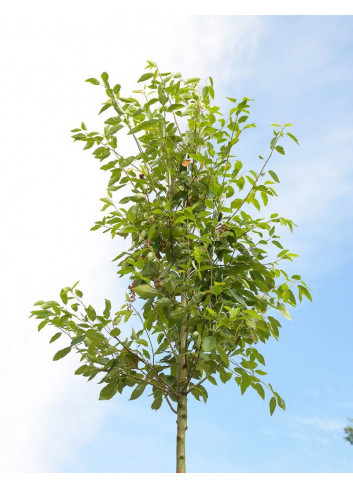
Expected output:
{"points": [[298, 69]]}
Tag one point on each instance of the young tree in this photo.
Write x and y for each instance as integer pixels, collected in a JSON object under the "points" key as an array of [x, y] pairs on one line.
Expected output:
{"points": [[202, 285]]}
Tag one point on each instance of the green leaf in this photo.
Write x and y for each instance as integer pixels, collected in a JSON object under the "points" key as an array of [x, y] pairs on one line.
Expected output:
{"points": [[192, 80], [145, 291], [156, 404], [91, 313], [245, 382], [175, 107], [115, 331], [151, 231], [275, 328], [105, 77], [145, 125], [303, 291], [114, 129], [223, 355], [293, 137], [131, 215], [273, 403], [242, 119], [78, 339], [280, 401], [81, 369], [55, 337], [179, 312], [284, 311], [94, 81], [63, 295], [225, 376], [260, 372], [264, 198], [164, 302], [138, 391], [42, 324], [205, 93], [208, 343], [259, 389], [108, 306], [237, 297], [211, 311], [145, 77], [61, 353], [113, 121], [105, 107], [274, 176], [277, 243], [42, 314], [179, 219], [108, 391], [280, 150], [128, 315], [89, 145]]}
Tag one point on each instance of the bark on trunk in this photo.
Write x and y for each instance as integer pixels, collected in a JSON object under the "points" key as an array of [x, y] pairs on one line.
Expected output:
{"points": [[181, 429], [182, 401]]}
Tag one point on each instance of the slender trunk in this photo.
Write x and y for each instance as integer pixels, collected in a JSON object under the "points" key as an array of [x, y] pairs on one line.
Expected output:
{"points": [[181, 429], [182, 401]]}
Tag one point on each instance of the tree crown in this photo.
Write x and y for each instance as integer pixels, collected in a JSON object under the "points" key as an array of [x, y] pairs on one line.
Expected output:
{"points": [[198, 261]]}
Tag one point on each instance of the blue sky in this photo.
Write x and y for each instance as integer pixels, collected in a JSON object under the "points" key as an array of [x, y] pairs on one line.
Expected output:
{"points": [[298, 69], [301, 72]]}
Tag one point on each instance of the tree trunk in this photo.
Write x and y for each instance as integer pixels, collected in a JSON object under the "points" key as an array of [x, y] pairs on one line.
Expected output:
{"points": [[182, 401], [181, 429]]}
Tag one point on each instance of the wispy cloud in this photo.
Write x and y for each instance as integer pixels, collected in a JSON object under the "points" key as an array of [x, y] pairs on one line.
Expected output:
{"points": [[316, 192], [325, 425], [50, 192]]}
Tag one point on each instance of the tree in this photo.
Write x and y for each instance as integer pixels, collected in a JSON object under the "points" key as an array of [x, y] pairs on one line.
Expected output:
{"points": [[202, 283], [349, 431]]}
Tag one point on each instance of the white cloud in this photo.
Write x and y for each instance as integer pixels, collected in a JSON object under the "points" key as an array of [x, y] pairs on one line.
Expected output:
{"points": [[326, 425], [50, 190]]}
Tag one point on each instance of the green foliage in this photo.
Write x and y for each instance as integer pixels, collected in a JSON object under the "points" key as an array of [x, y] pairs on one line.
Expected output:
{"points": [[202, 283], [349, 431]]}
